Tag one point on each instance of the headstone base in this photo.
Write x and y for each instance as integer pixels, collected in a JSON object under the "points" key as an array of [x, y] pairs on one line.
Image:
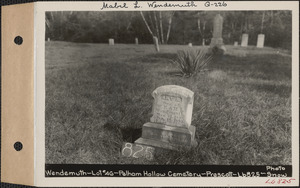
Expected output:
{"points": [[167, 137], [216, 42], [163, 145]]}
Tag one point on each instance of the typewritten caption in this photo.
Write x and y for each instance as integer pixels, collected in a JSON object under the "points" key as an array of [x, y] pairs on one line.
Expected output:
{"points": [[277, 174]]}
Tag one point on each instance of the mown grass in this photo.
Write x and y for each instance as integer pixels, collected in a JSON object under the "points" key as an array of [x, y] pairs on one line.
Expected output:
{"points": [[99, 96]]}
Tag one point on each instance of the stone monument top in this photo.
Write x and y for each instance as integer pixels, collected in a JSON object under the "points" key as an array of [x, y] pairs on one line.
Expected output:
{"points": [[173, 106], [217, 39]]}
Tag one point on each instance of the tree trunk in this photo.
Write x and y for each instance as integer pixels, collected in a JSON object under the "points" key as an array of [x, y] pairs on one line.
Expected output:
{"points": [[161, 28], [169, 26], [156, 26], [199, 26], [149, 29], [262, 22], [203, 36], [151, 21], [272, 18]]}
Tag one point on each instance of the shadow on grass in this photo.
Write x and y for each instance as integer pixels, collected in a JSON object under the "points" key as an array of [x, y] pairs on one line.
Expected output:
{"points": [[155, 58]]}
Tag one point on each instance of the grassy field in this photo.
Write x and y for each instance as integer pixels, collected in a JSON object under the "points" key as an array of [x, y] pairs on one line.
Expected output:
{"points": [[99, 96]]}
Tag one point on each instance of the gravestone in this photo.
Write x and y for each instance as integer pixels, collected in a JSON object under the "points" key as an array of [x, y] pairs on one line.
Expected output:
{"points": [[111, 42], [235, 43], [170, 126], [190, 44], [244, 42], [136, 41], [155, 41], [48, 39], [217, 39], [260, 41]]}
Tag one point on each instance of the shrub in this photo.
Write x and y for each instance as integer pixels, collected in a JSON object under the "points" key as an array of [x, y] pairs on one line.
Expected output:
{"points": [[217, 51], [191, 62]]}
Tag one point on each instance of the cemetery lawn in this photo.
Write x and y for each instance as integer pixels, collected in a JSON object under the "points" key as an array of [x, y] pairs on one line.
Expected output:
{"points": [[99, 96]]}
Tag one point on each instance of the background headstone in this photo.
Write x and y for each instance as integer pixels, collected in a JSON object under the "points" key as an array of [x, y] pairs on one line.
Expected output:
{"points": [[217, 39], [260, 41], [155, 41], [235, 43], [136, 41], [190, 44], [244, 42], [170, 126], [48, 39], [111, 42]]}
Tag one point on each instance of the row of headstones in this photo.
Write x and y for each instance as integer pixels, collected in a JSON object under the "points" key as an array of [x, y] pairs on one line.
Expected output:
{"points": [[155, 41], [244, 43], [111, 42]]}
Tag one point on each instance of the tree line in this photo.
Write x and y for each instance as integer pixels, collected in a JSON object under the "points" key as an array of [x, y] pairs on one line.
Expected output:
{"points": [[170, 27]]}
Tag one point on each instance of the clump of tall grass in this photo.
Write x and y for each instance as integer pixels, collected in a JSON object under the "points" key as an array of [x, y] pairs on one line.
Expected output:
{"points": [[191, 62]]}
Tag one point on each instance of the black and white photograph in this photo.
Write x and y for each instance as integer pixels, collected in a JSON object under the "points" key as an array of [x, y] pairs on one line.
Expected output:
{"points": [[168, 87]]}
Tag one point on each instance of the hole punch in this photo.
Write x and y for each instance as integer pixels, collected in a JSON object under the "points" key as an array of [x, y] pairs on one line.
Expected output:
{"points": [[18, 40], [18, 146]]}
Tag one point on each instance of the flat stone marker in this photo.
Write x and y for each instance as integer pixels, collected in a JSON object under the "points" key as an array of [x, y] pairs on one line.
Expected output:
{"points": [[170, 126], [244, 42], [235, 43], [217, 39], [111, 42], [260, 40]]}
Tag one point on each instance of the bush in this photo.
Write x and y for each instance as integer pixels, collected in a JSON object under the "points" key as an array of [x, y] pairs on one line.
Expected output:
{"points": [[217, 51], [191, 62]]}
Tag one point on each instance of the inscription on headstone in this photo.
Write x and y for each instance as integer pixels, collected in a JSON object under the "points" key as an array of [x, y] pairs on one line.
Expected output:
{"points": [[172, 106]]}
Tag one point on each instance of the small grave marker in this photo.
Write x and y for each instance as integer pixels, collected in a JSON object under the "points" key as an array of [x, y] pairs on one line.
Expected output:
{"points": [[190, 44], [260, 41], [48, 39], [244, 42], [235, 43], [136, 41], [111, 42]]}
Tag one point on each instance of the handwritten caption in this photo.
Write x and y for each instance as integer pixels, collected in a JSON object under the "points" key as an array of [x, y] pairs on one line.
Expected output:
{"points": [[137, 151], [280, 181], [160, 4]]}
